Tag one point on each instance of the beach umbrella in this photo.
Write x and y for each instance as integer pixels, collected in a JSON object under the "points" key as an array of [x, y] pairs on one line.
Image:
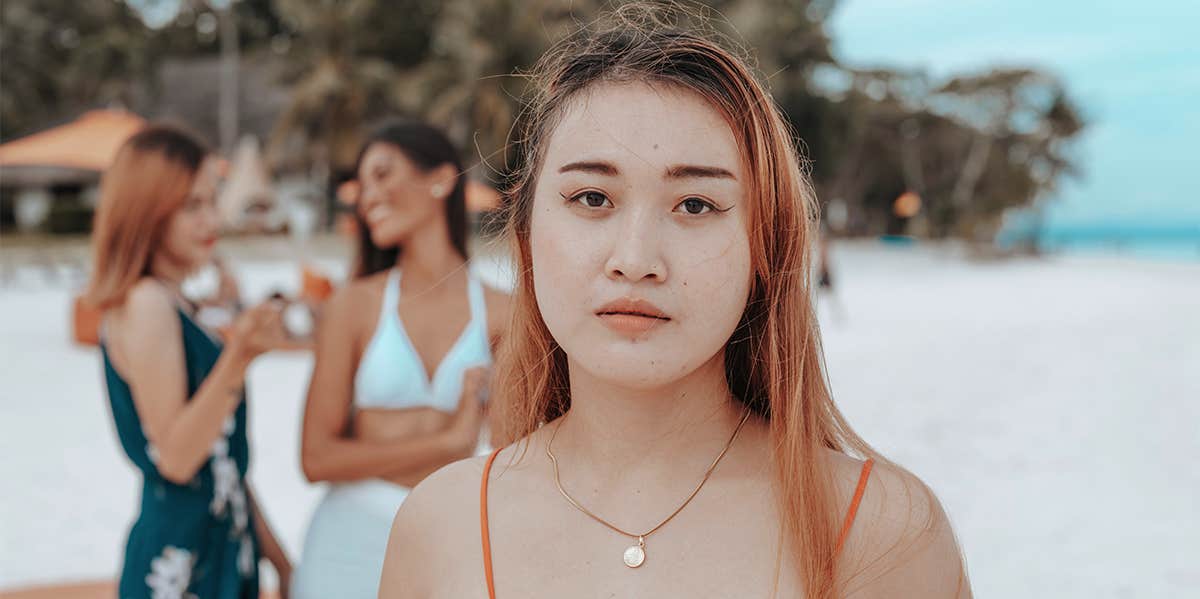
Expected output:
{"points": [[80, 148], [247, 186]]}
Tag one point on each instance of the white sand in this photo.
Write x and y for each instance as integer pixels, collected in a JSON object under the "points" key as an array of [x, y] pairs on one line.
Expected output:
{"points": [[1053, 405]]}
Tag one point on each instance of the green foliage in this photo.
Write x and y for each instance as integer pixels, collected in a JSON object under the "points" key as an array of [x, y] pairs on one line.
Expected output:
{"points": [[971, 146], [60, 56]]}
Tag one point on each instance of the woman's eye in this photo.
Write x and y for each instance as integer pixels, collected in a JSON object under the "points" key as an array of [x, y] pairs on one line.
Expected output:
{"points": [[591, 199], [695, 206]]}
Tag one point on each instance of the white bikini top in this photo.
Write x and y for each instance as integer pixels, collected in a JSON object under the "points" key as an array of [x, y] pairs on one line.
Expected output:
{"points": [[391, 374]]}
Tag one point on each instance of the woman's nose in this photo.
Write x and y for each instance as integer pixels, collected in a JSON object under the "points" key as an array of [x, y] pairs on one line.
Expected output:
{"points": [[636, 251]]}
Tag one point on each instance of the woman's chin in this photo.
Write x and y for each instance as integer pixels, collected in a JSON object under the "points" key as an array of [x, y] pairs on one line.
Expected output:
{"points": [[640, 375], [201, 258], [385, 239]]}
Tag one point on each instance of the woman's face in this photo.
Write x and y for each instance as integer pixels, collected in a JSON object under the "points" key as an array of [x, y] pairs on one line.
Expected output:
{"points": [[398, 197], [191, 234], [639, 238]]}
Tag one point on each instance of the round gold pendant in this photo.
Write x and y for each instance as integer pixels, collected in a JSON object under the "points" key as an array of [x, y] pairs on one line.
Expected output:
{"points": [[634, 556]]}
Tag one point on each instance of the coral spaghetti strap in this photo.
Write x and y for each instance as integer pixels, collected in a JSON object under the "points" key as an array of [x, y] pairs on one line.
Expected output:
{"points": [[487, 542], [483, 522], [853, 511]]}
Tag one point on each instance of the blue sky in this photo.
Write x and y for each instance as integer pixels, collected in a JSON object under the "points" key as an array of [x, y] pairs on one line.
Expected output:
{"points": [[1134, 68]]}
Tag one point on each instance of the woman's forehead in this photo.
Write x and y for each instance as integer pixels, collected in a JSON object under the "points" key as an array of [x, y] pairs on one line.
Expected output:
{"points": [[380, 153], [637, 125], [209, 175]]}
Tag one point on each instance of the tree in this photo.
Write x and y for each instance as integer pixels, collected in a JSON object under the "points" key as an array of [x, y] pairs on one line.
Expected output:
{"points": [[971, 146], [61, 57]]}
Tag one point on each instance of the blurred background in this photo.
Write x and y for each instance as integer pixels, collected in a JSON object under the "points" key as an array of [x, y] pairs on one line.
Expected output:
{"points": [[1012, 242]]}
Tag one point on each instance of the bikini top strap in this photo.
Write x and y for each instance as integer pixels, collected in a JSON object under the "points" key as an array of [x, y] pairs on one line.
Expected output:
{"points": [[391, 292]]}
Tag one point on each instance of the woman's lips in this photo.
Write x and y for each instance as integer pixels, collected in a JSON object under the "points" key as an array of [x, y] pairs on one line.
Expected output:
{"points": [[631, 323], [376, 214], [632, 316]]}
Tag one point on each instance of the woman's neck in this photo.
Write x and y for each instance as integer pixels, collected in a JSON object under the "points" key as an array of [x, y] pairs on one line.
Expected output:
{"points": [[618, 429], [169, 272], [429, 258]]}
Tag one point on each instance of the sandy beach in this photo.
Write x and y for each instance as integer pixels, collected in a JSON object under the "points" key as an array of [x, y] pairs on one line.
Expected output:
{"points": [[1053, 404]]}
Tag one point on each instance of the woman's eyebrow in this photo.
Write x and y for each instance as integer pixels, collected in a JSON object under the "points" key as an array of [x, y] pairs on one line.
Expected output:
{"points": [[680, 171], [591, 166], [691, 171]]}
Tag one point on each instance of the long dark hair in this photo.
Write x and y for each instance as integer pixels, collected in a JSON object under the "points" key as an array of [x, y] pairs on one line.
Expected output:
{"points": [[428, 148]]}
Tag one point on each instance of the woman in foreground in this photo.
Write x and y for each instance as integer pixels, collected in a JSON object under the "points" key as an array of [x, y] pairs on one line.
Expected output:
{"points": [[675, 436]]}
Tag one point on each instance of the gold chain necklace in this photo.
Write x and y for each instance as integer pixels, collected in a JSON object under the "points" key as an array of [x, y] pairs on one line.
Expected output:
{"points": [[635, 555]]}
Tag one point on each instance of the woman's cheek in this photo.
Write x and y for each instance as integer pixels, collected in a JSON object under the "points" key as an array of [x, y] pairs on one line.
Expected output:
{"points": [[716, 282]]}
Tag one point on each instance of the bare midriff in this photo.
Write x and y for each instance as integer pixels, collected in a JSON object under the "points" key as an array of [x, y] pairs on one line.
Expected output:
{"points": [[391, 424]]}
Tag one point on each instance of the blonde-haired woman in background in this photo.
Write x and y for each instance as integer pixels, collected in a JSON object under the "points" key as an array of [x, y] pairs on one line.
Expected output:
{"points": [[176, 390]]}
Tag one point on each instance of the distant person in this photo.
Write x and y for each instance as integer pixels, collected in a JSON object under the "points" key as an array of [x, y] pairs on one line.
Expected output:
{"points": [[177, 391], [824, 268], [402, 352], [825, 276], [662, 379]]}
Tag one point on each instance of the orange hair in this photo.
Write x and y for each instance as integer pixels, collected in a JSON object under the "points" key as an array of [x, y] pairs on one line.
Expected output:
{"points": [[148, 181], [773, 361]]}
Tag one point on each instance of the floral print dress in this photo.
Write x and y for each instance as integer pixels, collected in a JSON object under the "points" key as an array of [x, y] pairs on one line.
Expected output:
{"points": [[191, 541]]}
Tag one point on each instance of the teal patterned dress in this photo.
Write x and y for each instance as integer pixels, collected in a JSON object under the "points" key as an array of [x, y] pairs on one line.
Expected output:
{"points": [[194, 540]]}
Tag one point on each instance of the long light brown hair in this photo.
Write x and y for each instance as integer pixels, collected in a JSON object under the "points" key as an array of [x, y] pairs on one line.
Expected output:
{"points": [[149, 180], [773, 361]]}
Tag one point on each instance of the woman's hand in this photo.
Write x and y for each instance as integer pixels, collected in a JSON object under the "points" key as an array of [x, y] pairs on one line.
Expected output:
{"points": [[470, 415], [258, 330]]}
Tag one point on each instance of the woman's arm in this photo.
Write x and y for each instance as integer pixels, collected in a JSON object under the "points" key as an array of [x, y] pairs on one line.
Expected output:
{"points": [[271, 548], [181, 432], [327, 453], [464, 426]]}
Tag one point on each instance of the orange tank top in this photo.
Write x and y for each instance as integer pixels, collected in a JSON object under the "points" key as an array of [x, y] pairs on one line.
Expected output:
{"points": [[487, 542]]}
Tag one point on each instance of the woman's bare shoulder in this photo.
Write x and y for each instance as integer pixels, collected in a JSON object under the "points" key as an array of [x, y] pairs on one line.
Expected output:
{"points": [[436, 534], [449, 482], [355, 305], [351, 295], [447, 503], [900, 538], [146, 314]]}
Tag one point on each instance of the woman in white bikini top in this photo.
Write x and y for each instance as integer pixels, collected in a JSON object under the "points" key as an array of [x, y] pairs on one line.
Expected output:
{"points": [[402, 353]]}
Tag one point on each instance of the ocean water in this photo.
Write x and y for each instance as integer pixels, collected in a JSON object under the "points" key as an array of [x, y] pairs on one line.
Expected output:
{"points": [[1155, 240]]}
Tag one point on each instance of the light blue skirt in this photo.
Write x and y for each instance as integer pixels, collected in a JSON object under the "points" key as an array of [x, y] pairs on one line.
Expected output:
{"points": [[346, 541]]}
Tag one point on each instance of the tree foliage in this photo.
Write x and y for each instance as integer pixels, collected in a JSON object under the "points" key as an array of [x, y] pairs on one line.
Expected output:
{"points": [[971, 146]]}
